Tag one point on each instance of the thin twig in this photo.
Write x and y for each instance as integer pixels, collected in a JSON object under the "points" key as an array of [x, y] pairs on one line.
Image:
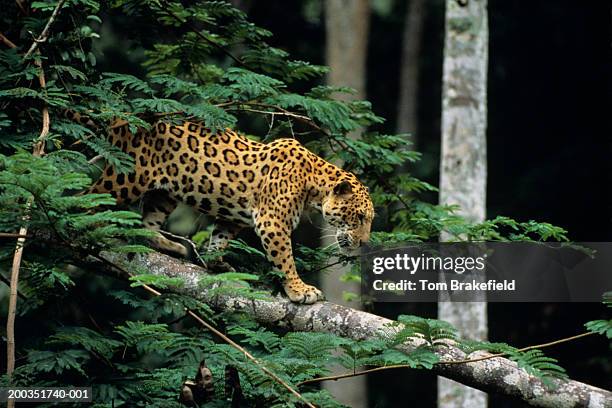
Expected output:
{"points": [[21, 7], [351, 374], [12, 235], [280, 113], [473, 360], [7, 41], [536, 346], [302, 118], [214, 330], [555, 342], [39, 147], [95, 159], [45, 32]]}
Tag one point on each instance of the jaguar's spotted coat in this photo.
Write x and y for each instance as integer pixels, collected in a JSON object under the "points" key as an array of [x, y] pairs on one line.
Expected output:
{"points": [[241, 182]]}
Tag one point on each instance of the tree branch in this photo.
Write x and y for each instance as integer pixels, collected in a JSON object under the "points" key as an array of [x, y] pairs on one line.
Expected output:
{"points": [[12, 235], [38, 151], [45, 32], [7, 42], [23, 232], [494, 375]]}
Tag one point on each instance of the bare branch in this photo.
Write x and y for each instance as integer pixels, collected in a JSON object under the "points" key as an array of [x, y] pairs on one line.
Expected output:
{"points": [[6, 41], [22, 7], [12, 309], [45, 32], [38, 151], [12, 235], [95, 159], [279, 113]]}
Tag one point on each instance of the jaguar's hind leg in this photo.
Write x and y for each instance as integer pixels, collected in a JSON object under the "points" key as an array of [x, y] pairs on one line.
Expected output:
{"points": [[156, 208], [219, 240], [223, 233], [123, 187]]}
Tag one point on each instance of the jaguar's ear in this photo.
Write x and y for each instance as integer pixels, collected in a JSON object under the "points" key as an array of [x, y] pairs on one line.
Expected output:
{"points": [[344, 188]]}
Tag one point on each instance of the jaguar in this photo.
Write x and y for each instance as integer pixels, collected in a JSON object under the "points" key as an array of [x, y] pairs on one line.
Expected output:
{"points": [[239, 181]]}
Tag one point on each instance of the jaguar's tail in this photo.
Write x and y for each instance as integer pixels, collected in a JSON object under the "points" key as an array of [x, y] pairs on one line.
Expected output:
{"points": [[80, 118]]}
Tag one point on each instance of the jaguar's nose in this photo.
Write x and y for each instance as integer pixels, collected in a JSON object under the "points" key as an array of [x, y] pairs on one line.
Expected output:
{"points": [[364, 239]]}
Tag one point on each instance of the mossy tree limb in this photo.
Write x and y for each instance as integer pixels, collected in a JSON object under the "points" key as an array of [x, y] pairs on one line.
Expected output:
{"points": [[496, 375]]}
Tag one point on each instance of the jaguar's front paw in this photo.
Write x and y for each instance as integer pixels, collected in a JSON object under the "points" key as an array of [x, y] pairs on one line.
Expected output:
{"points": [[299, 292]]}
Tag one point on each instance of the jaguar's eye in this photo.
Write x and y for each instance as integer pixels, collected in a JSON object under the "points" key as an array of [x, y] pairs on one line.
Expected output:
{"points": [[361, 217]]}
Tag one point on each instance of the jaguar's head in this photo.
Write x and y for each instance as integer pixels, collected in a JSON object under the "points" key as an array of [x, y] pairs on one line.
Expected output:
{"points": [[348, 207]]}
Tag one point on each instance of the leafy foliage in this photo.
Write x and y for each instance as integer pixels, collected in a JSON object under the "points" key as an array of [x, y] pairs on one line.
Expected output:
{"points": [[603, 327]]}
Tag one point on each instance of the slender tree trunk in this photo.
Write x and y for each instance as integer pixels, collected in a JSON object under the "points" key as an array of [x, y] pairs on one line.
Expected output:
{"points": [[463, 169], [407, 118], [38, 151], [347, 25]]}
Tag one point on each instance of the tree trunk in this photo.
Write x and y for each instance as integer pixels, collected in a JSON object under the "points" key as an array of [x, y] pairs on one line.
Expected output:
{"points": [[407, 113], [463, 168], [497, 375], [347, 25]]}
